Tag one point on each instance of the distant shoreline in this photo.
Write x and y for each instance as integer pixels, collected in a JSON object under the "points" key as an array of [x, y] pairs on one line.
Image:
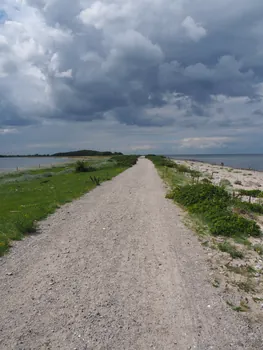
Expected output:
{"points": [[244, 162], [22, 167], [215, 164]]}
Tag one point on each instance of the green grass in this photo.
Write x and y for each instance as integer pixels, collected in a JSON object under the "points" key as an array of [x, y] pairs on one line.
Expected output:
{"points": [[23, 203], [250, 193], [247, 207], [161, 161], [125, 161], [243, 240], [213, 205]]}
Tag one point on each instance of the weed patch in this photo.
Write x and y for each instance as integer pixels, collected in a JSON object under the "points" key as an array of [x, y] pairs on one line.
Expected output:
{"points": [[213, 203], [246, 286], [258, 248], [248, 207], [231, 250], [81, 167], [242, 270]]}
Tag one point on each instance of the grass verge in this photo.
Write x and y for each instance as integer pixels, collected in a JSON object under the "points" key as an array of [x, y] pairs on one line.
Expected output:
{"points": [[213, 205], [31, 196]]}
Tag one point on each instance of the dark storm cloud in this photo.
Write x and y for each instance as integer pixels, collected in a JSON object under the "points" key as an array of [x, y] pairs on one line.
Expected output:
{"points": [[91, 59], [258, 112]]}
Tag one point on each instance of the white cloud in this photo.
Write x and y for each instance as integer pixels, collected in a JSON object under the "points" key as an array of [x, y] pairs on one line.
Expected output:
{"points": [[100, 14], [8, 131], [141, 147], [139, 62], [205, 142], [66, 74], [194, 30]]}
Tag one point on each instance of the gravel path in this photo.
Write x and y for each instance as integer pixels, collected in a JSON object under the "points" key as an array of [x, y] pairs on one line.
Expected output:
{"points": [[116, 270]]}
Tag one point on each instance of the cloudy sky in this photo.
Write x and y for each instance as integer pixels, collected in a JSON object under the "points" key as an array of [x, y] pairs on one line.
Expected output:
{"points": [[162, 76]]}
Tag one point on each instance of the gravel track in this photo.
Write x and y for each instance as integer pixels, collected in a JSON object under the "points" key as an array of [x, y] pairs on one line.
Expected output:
{"points": [[116, 269]]}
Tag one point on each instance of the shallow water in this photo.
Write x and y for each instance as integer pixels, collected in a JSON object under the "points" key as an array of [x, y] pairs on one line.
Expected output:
{"points": [[11, 164]]}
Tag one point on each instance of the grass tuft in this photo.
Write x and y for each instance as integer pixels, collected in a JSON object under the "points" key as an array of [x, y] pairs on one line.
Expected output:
{"points": [[258, 248], [231, 250]]}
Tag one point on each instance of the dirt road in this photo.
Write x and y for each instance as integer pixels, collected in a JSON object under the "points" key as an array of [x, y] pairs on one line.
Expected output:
{"points": [[116, 270]]}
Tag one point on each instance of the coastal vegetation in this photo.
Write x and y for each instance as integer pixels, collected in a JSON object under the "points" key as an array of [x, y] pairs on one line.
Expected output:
{"points": [[214, 205], [228, 221], [27, 197]]}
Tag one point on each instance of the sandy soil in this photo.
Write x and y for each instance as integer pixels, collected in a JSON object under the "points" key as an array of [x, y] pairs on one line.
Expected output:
{"points": [[225, 268], [116, 270], [247, 179]]}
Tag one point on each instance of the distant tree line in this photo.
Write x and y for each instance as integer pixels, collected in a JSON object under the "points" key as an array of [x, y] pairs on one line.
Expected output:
{"points": [[24, 155], [82, 153]]}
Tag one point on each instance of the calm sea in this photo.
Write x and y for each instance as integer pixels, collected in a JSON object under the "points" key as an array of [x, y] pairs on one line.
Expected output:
{"points": [[11, 164], [253, 161]]}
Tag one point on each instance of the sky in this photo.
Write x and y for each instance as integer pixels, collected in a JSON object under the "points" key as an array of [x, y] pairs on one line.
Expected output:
{"points": [[159, 76]]}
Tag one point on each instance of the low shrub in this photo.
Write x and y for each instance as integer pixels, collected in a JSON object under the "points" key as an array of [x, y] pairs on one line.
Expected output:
{"points": [[214, 203], [238, 182], [201, 193], [80, 167], [206, 181], [250, 193], [224, 183], [249, 207], [125, 161], [161, 161], [230, 224]]}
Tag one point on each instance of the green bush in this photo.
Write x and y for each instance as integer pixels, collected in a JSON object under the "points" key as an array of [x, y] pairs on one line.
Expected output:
{"points": [[206, 181], [201, 193], [125, 161], [250, 193], [214, 204], [161, 161], [225, 183], [80, 167], [249, 207], [230, 224]]}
